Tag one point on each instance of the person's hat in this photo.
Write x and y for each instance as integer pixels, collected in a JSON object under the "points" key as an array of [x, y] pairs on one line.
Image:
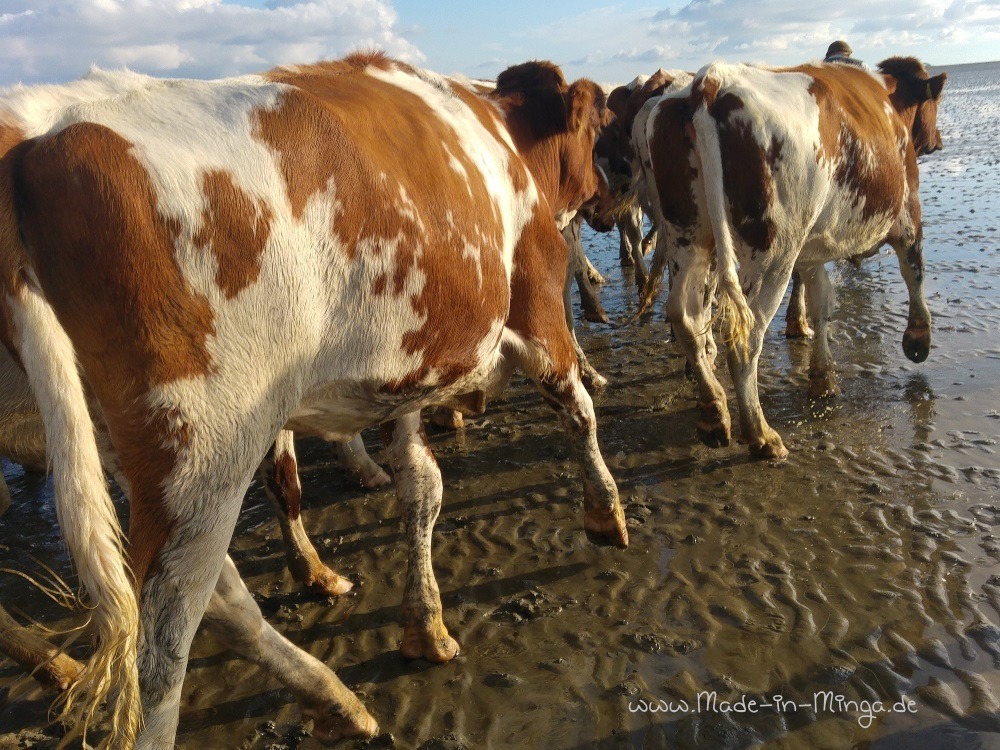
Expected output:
{"points": [[839, 47]]}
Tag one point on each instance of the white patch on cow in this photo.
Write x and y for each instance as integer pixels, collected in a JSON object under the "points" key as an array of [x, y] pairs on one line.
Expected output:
{"points": [[481, 148]]}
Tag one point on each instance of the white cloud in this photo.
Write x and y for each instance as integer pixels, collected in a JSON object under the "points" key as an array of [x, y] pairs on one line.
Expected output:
{"points": [[53, 40], [615, 42]]}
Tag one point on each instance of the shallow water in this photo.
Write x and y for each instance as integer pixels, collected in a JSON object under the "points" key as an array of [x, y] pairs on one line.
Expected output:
{"points": [[866, 566]]}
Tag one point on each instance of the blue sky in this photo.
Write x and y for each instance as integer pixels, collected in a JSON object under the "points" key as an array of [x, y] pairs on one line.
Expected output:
{"points": [[52, 40]]}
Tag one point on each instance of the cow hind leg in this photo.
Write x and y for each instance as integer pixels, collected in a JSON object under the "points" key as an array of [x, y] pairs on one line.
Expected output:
{"points": [[419, 488], [765, 297], [563, 389], [46, 663], [689, 310], [235, 619], [279, 475], [355, 459], [796, 323], [592, 379], [578, 265], [917, 337], [822, 378]]}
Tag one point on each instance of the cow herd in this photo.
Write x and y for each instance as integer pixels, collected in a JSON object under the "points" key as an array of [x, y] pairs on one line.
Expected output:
{"points": [[192, 272]]}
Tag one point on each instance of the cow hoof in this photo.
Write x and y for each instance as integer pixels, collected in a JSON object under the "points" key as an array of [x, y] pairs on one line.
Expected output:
{"points": [[823, 386], [713, 424], [917, 344], [330, 729], [714, 436], [435, 646], [798, 329], [375, 479], [593, 381], [605, 527], [596, 278], [596, 316], [448, 419], [771, 448], [327, 583]]}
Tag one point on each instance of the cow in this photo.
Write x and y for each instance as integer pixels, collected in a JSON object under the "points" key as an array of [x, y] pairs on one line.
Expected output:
{"points": [[643, 89], [319, 248], [775, 169]]}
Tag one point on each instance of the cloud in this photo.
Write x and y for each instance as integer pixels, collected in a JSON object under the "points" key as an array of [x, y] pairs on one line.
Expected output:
{"points": [[615, 42], [54, 40]]}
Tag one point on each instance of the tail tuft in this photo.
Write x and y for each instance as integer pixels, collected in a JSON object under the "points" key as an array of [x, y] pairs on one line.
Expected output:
{"points": [[88, 522]]}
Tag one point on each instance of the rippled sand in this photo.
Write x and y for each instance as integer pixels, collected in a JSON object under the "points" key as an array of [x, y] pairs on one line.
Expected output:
{"points": [[866, 566]]}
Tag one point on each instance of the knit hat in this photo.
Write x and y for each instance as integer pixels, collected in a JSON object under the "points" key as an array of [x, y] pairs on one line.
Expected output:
{"points": [[840, 47]]}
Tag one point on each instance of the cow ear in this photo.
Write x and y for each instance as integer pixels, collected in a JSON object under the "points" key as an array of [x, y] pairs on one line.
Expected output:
{"points": [[935, 85], [583, 106]]}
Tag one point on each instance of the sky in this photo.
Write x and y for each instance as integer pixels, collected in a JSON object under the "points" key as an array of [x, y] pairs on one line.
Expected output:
{"points": [[58, 40]]}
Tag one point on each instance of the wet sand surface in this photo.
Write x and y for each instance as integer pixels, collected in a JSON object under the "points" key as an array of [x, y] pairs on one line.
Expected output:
{"points": [[866, 566]]}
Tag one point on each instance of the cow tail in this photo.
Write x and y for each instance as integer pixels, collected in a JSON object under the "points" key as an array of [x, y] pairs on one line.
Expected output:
{"points": [[84, 507], [733, 309], [655, 278]]}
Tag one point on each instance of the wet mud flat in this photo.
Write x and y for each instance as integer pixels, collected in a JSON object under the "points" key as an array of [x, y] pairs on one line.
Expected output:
{"points": [[864, 568]]}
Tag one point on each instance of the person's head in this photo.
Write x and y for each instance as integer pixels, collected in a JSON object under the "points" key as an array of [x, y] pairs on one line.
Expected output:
{"points": [[839, 48]]}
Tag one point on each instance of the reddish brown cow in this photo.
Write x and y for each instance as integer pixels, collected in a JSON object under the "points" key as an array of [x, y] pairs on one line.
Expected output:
{"points": [[293, 249]]}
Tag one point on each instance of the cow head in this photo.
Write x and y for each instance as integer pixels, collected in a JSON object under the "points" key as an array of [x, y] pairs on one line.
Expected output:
{"points": [[555, 127], [915, 96]]}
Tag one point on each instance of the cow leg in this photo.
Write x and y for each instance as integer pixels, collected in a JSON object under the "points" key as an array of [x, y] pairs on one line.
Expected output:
{"points": [[279, 474], [178, 543], [591, 377], [604, 519], [419, 488], [43, 661], [447, 418], [590, 302], [917, 338], [796, 323], [537, 341], [649, 242], [595, 276], [765, 297], [629, 234], [689, 311], [180, 527], [355, 459], [235, 619], [822, 378]]}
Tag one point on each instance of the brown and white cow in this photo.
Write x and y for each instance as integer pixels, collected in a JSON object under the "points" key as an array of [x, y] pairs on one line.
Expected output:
{"points": [[775, 169], [634, 246], [323, 247]]}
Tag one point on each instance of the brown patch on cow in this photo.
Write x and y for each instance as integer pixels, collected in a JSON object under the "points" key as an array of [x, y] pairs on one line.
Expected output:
{"points": [[670, 148], [617, 100], [748, 184], [13, 258], [858, 136], [283, 481], [536, 288], [105, 261], [235, 226], [376, 143]]}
